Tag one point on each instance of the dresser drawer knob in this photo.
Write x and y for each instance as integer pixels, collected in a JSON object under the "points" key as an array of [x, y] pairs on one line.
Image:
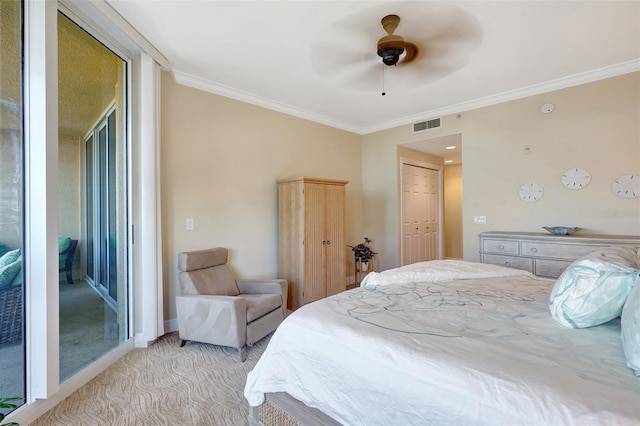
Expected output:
{"points": [[534, 250], [501, 247], [507, 264]]}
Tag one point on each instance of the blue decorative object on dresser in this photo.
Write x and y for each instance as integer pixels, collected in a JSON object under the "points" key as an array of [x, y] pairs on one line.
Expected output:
{"points": [[561, 230]]}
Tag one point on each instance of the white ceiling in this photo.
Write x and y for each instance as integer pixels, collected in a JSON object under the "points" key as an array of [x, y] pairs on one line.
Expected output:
{"points": [[317, 59]]}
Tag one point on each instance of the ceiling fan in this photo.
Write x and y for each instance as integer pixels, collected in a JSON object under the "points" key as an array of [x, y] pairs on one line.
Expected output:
{"points": [[436, 40], [391, 46]]}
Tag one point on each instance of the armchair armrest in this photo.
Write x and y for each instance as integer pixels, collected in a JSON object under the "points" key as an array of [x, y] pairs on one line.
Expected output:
{"points": [[219, 320], [273, 286]]}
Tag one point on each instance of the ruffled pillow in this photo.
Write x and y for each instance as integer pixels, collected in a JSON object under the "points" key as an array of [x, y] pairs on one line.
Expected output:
{"points": [[10, 257], [631, 330], [9, 272], [594, 288]]}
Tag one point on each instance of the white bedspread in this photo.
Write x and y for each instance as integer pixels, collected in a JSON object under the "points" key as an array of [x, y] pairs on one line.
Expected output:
{"points": [[438, 270], [475, 351]]}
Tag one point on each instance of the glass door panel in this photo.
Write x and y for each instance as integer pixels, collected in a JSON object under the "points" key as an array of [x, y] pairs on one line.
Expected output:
{"points": [[12, 282], [90, 210], [92, 111], [111, 208]]}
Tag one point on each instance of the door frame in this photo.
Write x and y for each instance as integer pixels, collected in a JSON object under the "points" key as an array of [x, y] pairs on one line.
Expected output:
{"points": [[439, 209]]}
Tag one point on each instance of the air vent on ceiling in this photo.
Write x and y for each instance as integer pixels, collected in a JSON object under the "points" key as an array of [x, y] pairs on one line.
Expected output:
{"points": [[426, 125]]}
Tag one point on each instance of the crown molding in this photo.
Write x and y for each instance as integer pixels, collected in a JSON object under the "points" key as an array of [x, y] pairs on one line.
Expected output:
{"points": [[240, 95], [103, 19], [536, 89]]}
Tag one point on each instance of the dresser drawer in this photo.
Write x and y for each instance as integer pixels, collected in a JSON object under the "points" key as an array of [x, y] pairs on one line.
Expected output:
{"points": [[551, 268], [560, 251], [510, 262], [500, 247]]}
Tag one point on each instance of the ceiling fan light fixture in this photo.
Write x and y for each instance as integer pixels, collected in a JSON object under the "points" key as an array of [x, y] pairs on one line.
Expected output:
{"points": [[390, 48], [391, 56]]}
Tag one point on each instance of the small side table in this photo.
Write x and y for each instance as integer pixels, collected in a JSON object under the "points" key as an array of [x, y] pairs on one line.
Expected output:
{"points": [[362, 269]]}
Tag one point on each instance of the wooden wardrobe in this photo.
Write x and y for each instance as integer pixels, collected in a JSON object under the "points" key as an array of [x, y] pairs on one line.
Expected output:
{"points": [[311, 219]]}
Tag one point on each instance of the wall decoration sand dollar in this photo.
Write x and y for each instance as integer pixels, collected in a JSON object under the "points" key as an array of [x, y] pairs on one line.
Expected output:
{"points": [[531, 192], [575, 178], [626, 186]]}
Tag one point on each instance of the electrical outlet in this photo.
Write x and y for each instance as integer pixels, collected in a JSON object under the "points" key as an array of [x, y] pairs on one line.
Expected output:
{"points": [[479, 220], [189, 224]]}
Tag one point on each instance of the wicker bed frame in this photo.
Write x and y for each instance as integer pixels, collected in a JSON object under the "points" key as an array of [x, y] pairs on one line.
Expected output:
{"points": [[281, 409], [10, 314]]}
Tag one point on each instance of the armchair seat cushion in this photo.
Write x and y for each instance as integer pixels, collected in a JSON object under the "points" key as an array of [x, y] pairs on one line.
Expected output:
{"points": [[259, 305]]}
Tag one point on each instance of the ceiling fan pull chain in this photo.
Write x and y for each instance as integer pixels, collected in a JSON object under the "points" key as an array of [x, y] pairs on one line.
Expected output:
{"points": [[383, 92]]}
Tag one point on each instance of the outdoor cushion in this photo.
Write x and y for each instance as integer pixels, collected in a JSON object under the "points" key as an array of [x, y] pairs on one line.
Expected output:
{"points": [[8, 273]]}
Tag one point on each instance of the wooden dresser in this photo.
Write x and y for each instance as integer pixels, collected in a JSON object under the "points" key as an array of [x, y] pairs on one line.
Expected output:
{"points": [[545, 255]]}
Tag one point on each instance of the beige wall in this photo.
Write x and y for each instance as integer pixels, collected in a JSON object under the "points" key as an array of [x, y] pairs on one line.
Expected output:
{"points": [[595, 126], [453, 211], [69, 151], [220, 162]]}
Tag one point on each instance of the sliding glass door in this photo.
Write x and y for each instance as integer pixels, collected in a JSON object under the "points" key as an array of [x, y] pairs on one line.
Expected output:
{"points": [[12, 281], [93, 196], [101, 157]]}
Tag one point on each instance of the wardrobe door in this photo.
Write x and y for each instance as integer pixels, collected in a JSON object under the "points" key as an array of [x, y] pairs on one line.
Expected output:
{"points": [[314, 243], [334, 233]]}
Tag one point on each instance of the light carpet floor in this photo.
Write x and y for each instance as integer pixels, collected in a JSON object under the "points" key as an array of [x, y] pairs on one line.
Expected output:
{"points": [[88, 327], [164, 384], [88, 330]]}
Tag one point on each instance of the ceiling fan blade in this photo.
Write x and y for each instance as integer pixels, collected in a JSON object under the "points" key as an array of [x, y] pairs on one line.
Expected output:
{"points": [[411, 52], [340, 62]]}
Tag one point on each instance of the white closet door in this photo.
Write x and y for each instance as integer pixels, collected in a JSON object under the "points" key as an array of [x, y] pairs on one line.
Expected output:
{"points": [[419, 214]]}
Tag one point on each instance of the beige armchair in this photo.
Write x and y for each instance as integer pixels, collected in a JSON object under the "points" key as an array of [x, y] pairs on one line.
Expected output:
{"points": [[214, 308]]}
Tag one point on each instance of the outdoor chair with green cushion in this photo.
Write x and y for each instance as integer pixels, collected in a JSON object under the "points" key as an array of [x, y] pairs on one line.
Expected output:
{"points": [[214, 308], [66, 254]]}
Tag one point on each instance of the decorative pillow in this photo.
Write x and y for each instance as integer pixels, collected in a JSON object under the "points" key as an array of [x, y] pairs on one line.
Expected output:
{"points": [[10, 257], [631, 330], [593, 289], [63, 246], [8, 273]]}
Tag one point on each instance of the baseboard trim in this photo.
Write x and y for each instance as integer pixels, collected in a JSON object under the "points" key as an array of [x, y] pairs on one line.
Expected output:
{"points": [[171, 325]]}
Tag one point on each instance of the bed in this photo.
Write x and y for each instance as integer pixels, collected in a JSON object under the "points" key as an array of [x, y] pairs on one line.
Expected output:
{"points": [[452, 342]]}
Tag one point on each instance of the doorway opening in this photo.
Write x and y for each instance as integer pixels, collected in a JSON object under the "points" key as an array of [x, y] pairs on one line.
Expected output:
{"points": [[449, 149]]}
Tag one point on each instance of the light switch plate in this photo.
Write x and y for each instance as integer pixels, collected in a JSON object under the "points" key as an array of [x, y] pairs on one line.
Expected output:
{"points": [[479, 220]]}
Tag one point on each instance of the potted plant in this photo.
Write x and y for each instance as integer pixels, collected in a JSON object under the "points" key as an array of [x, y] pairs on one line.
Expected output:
{"points": [[8, 403], [363, 253]]}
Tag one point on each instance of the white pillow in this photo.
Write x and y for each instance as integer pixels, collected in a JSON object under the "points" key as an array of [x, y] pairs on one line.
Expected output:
{"points": [[631, 330], [594, 288]]}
